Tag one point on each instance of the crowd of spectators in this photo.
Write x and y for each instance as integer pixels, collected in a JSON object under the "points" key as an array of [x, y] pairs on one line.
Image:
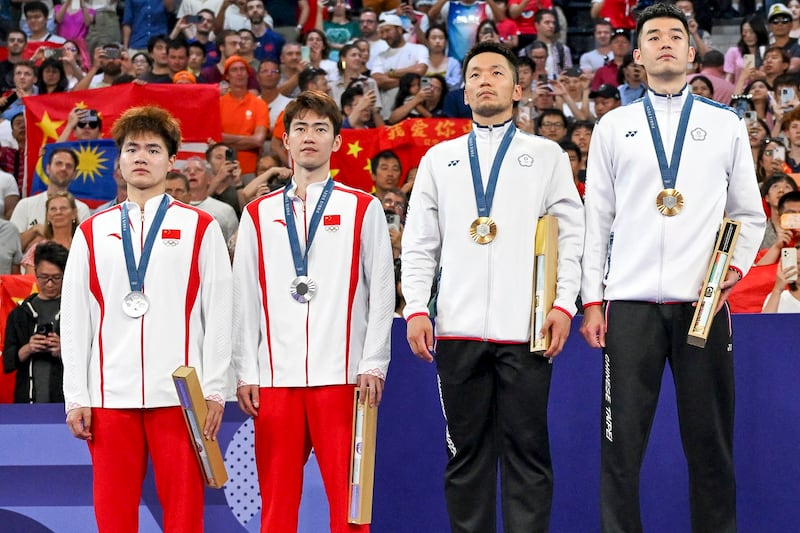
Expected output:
{"points": [[383, 61]]}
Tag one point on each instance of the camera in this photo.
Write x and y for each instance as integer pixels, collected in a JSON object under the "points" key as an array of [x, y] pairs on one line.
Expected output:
{"points": [[112, 52]]}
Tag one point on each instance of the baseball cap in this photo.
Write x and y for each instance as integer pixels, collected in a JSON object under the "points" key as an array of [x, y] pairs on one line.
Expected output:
{"points": [[778, 10], [390, 20], [422, 3], [620, 32], [605, 91]]}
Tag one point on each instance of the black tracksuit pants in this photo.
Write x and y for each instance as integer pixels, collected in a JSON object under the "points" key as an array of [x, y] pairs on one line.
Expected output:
{"points": [[641, 337], [494, 397]]}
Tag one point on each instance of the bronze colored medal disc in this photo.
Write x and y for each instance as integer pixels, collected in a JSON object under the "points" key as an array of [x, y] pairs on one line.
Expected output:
{"points": [[669, 202], [483, 230]]}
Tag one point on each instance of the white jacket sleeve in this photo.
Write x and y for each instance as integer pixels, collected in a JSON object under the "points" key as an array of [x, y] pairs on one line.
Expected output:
{"points": [[378, 269], [600, 209], [422, 242], [217, 304], [564, 203], [744, 203], [247, 311], [76, 325]]}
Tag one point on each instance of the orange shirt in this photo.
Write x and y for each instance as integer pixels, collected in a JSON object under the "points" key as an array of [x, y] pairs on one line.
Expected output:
{"points": [[242, 117]]}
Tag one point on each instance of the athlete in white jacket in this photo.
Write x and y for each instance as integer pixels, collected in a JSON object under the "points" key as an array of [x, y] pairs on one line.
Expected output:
{"points": [[128, 322], [494, 391], [662, 174]]}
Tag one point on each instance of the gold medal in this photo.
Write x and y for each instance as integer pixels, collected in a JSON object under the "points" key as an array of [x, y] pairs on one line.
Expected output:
{"points": [[669, 202], [483, 230]]}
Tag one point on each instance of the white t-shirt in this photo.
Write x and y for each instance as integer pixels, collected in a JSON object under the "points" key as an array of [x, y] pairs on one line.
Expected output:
{"points": [[32, 210], [223, 213], [407, 55], [786, 304], [8, 185]]}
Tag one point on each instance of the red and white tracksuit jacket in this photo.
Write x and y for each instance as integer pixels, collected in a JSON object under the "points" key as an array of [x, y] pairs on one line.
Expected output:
{"points": [[345, 329], [114, 361]]}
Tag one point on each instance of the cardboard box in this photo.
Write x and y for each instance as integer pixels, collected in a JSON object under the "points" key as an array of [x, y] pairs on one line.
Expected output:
{"points": [[193, 402], [362, 462]]}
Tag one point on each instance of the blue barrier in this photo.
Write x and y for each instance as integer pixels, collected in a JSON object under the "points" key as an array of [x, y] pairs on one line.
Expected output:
{"points": [[45, 474]]}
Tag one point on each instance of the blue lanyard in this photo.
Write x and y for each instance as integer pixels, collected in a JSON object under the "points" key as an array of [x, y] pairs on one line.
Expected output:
{"points": [[669, 173], [484, 199], [301, 258], [136, 274]]}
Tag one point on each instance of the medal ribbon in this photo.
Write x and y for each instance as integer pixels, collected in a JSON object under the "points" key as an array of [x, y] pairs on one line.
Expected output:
{"points": [[301, 259], [484, 199], [669, 173], [136, 274]]}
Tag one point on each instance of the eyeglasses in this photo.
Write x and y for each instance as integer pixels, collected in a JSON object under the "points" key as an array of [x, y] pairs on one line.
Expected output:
{"points": [[91, 124], [392, 203], [271, 71], [780, 20], [44, 280], [552, 125]]}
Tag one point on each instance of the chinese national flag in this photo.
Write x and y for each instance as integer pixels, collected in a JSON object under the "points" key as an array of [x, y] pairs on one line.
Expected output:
{"points": [[195, 106], [13, 289], [409, 139]]}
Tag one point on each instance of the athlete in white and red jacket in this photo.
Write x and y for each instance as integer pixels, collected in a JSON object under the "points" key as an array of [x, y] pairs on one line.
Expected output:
{"points": [[121, 343], [298, 357]]}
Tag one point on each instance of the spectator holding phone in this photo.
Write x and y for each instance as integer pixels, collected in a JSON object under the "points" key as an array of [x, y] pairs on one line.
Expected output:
{"points": [[776, 235], [781, 300], [85, 124], [32, 341]]}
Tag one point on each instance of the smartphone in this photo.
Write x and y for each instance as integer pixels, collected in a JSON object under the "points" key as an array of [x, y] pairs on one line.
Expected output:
{"points": [[55, 53], [193, 19], [89, 115], [393, 219], [789, 259], [790, 221], [424, 82], [749, 60], [787, 95], [779, 153], [230, 154], [542, 79], [750, 118], [305, 53], [112, 52], [523, 111], [44, 329]]}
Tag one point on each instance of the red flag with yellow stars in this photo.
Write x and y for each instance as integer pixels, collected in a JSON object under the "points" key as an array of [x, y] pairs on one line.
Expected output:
{"points": [[409, 139], [196, 106]]}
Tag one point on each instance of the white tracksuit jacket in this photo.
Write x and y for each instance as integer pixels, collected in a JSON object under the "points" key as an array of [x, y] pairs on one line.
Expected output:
{"points": [[485, 291], [633, 252]]}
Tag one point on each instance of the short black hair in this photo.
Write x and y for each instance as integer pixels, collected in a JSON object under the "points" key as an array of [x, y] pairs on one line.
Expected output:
{"points": [[175, 44], [537, 18], [491, 47], [36, 6], [658, 11], [544, 113], [793, 196], [349, 95], [307, 76], [154, 40], [52, 252], [385, 154], [568, 145]]}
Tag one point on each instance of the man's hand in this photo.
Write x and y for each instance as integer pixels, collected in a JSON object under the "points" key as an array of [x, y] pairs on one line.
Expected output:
{"points": [[213, 419], [593, 328], [79, 421], [419, 332], [557, 323], [248, 397], [370, 387], [54, 344], [731, 279], [782, 276]]}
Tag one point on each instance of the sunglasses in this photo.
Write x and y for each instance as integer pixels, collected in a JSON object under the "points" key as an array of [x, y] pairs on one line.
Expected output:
{"points": [[91, 124], [780, 20]]}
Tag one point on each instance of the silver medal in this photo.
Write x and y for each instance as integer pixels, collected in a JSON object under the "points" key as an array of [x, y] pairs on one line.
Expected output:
{"points": [[135, 304], [303, 289]]}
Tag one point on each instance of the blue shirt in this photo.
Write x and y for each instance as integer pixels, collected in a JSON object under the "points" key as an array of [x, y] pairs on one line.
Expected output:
{"points": [[146, 18]]}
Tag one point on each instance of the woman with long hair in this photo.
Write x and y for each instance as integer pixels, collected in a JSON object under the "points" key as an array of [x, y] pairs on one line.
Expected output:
{"points": [[438, 60], [61, 221], [759, 92], [753, 39], [771, 159], [318, 49]]}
